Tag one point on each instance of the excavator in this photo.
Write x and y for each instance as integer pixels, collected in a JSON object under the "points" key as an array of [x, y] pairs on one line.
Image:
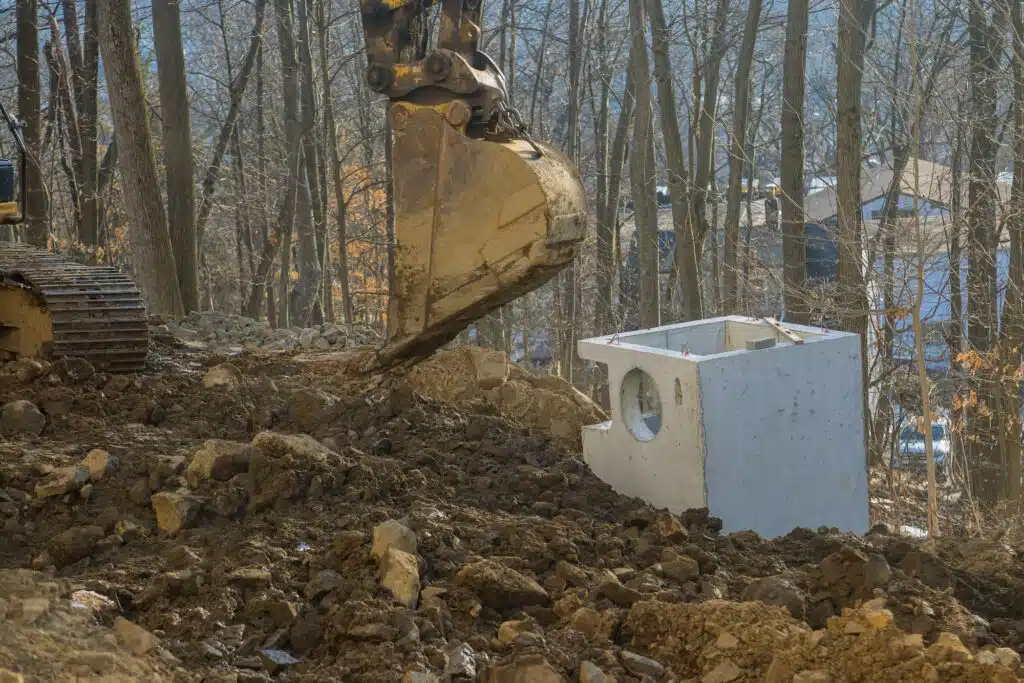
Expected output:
{"points": [[483, 212]]}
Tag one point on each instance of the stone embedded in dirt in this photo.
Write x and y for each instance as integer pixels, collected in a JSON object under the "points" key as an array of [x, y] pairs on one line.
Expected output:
{"points": [[811, 676], [8, 676], [275, 661], [592, 673], [928, 569], [400, 574], [21, 417], [99, 463], [461, 662], [28, 370], [776, 590], [420, 677], [72, 370], [223, 376], [99, 606], [251, 578], [509, 631], [501, 587], [1003, 656], [175, 510], [130, 531], [323, 583], [133, 637], [309, 407], [669, 527], [346, 542], [621, 595], [640, 665], [572, 574], [218, 460], [525, 669], [588, 621], [182, 557], [392, 534], [61, 481], [284, 465], [678, 567], [725, 671], [73, 544]]}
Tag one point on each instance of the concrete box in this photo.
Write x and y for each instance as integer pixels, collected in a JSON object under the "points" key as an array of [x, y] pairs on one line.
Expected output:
{"points": [[730, 414]]}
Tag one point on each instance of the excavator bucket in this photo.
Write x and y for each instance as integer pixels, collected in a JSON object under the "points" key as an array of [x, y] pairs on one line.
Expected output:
{"points": [[478, 223]]}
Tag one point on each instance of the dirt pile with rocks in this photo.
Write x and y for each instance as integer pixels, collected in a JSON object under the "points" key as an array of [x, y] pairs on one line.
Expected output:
{"points": [[272, 517]]}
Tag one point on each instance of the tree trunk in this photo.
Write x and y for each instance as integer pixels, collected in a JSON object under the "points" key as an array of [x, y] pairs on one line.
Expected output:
{"points": [[309, 216], [642, 173], [737, 157], [985, 38], [149, 238], [177, 145], [35, 203], [293, 136], [707, 111], [688, 240], [88, 118], [791, 204]]}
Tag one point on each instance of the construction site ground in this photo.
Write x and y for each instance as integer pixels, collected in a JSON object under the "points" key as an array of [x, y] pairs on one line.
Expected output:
{"points": [[280, 515]]}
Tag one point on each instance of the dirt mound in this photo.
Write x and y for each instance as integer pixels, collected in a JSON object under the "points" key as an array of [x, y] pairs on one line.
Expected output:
{"points": [[545, 404], [52, 634], [276, 517]]}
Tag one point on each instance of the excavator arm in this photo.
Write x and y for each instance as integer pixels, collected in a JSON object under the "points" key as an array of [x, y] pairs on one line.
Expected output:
{"points": [[483, 212]]}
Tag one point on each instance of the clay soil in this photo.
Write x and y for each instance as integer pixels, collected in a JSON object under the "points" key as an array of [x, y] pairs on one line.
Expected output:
{"points": [[354, 527]]}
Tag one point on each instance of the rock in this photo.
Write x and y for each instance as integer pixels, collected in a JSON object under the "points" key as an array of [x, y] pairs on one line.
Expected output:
{"points": [[400, 574], [61, 481], [681, 568], [133, 637], [501, 587], [130, 531], [587, 620], [1007, 657], [726, 641], [461, 662], [641, 666], [275, 661], [809, 676], [420, 677], [174, 511], [251, 578], [183, 557], [323, 583], [775, 590], [927, 568], [392, 534], [99, 463], [223, 376], [218, 460], [725, 672], [527, 669], [491, 367], [100, 606], [308, 408], [591, 673], [877, 573], [73, 544], [510, 630], [572, 574], [621, 595], [28, 370], [670, 528], [72, 370], [21, 417]]}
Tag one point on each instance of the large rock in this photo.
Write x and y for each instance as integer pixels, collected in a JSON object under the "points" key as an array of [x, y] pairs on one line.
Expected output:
{"points": [[175, 510], [309, 407], [62, 480], [133, 637], [400, 574], [501, 587], [28, 370], [73, 544], [284, 466], [218, 460], [776, 590], [223, 376], [392, 534], [99, 463], [72, 370], [21, 417], [526, 669]]}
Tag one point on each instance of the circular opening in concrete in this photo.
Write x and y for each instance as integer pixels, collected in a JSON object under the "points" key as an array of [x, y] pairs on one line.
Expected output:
{"points": [[641, 405]]}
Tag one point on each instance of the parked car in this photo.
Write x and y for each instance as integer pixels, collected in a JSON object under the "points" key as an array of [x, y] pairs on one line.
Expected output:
{"points": [[910, 451]]}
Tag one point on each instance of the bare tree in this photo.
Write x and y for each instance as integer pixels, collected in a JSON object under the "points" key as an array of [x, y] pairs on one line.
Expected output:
{"points": [[792, 170], [149, 237], [35, 200], [177, 137]]}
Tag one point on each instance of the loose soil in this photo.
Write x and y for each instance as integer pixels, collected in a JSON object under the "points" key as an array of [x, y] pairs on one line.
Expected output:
{"points": [[284, 516]]}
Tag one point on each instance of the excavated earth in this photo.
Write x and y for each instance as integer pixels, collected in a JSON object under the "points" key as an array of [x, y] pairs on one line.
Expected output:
{"points": [[284, 516]]}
